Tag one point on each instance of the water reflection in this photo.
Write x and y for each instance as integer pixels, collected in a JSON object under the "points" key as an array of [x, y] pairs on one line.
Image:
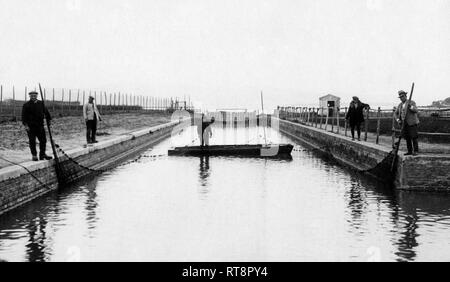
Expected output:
{"points": [[204, 174], [91, 205], [408, 239], [424, 208], [357, 203], [37, 242], [404, 225], [240, 209]]}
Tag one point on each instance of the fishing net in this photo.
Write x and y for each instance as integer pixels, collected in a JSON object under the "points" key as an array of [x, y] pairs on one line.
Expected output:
{"points": [[68, 169], [386, 169]]}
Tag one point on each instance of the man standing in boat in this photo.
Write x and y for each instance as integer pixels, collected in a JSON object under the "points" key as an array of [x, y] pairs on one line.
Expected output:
{"points": [[204, 130]]}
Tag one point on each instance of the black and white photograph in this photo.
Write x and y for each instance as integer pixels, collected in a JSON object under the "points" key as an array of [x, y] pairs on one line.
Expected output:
{"points": [[236, 132]]}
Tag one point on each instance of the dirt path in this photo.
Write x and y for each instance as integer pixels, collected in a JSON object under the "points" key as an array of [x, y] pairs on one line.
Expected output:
{"points": [[69, 133]]}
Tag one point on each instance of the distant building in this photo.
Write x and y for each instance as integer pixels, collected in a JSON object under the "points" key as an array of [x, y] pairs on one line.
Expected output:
{"points": [[329, 101]]}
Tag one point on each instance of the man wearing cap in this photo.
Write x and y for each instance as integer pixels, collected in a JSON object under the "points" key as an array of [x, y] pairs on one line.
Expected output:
{"points": [[91, 116], [406, 112], [33, 114]]}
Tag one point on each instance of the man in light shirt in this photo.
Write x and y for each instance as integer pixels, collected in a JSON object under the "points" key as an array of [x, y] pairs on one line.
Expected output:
{"points": [[91, 116], [406, 113]]}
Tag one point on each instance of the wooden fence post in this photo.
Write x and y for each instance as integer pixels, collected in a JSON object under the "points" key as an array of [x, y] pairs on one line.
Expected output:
{"points": [[78, 99], [366, 125], [315, 116], [62, 101], [123, 101], [105, 103], [345, 121], [393, 127], [378, 124], [100, 93], [53, 99], [14, 103], [321, 117], [1, 99], [338, 120], [70, 100], [332, 119], [307, 116]]}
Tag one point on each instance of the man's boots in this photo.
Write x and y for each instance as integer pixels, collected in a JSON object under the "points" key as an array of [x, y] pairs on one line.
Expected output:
{"points": [[45, 157]]}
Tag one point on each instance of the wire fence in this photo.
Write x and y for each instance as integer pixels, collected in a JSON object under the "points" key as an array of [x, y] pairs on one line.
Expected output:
{"points": [[435, 123], [69, 102]]}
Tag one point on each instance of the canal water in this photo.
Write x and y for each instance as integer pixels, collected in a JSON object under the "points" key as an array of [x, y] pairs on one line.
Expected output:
{"points": [[161, 208]]}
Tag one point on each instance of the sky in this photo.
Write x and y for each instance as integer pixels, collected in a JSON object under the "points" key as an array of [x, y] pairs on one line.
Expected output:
{"points": [[223, 53]]}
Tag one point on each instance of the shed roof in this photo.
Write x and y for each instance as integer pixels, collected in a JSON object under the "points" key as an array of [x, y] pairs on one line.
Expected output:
{"points": [[329, 96]]}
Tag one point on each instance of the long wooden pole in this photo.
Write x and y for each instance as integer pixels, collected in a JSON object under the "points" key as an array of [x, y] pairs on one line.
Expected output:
{"points": [[262, 107], [57, 164]]}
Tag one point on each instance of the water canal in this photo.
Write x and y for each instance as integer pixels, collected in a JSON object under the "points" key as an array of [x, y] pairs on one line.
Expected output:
{"points": [[161, 208]]}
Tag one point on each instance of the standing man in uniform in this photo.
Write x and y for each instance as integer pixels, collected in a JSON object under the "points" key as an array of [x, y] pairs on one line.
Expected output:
{"points": [[407, 113], [33, 114], [91, 116]]}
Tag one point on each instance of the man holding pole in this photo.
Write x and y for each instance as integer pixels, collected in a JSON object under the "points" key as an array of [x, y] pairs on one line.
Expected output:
{"points": [[204, 130], [406, 114], [33, 114]]}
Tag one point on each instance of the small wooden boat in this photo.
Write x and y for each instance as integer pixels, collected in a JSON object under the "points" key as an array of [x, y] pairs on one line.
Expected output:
{"points": [[250, 150]]}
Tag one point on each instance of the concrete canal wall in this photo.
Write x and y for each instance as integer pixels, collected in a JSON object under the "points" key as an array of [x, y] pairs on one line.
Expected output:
{"points": [[18, 186], [428, 172]]}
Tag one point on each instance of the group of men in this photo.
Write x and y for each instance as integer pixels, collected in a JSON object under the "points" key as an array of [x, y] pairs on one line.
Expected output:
{"points": [[406, 115], [33, 114]]}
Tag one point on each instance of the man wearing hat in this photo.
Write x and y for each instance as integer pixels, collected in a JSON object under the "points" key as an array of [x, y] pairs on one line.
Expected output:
{"points": [[406, 112], [91, 116], [33, 114], [355, 116]]}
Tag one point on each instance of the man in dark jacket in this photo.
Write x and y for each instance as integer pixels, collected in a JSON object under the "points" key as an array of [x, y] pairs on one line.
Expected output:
{"points": [[33, 114], [355, 116]]}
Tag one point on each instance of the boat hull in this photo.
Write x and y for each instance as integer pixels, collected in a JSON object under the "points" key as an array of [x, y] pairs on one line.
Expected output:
{"points": [[250, 150]]}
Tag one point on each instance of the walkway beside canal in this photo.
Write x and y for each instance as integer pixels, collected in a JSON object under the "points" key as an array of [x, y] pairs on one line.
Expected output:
{"points": [[70, 132], [425, 146], [22, 183], [426, 172]]}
